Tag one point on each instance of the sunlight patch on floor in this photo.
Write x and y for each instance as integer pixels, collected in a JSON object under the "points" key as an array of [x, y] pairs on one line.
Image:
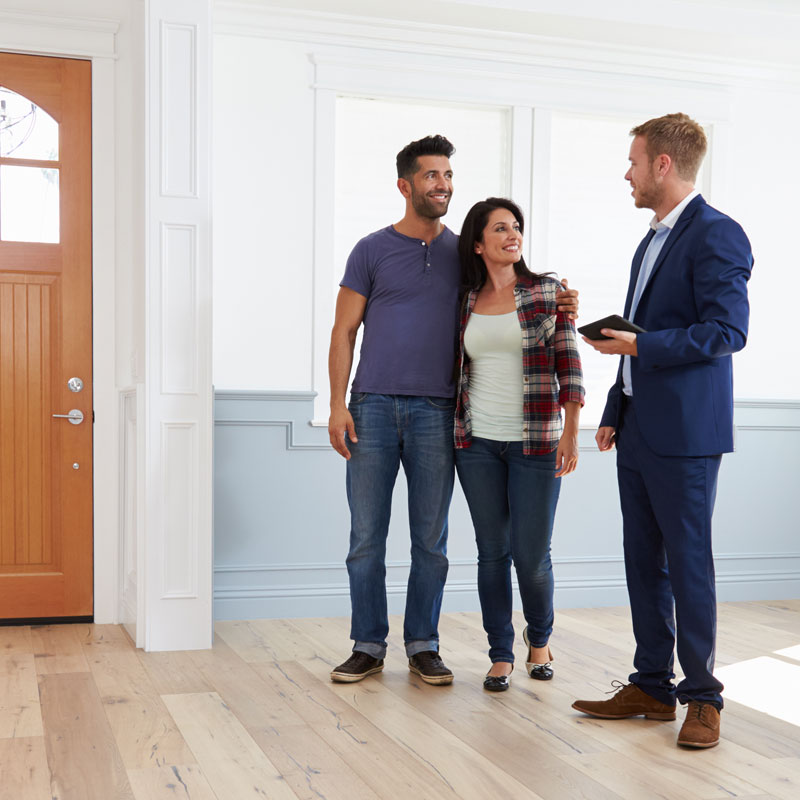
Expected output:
{"points": [[764, 684], [790, 652]]}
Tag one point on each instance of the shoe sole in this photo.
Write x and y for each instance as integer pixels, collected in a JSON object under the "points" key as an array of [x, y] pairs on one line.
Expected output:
{"points": [[697, 745], [659, 715], [346, 677], [434, 680]]}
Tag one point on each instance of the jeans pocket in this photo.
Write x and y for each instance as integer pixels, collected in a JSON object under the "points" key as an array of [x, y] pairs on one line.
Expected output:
{"points": [[357, 397], [442, 403]]}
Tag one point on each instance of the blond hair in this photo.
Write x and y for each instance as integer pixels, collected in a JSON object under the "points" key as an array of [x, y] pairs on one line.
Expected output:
{"points": [[679, 137]]}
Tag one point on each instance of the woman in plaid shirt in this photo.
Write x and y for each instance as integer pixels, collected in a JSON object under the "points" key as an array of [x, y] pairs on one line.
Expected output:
{"points": [[519, 365]]}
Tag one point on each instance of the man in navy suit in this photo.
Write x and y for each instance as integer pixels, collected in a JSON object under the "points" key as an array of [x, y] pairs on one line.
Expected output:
{"points": [[670, 415]]}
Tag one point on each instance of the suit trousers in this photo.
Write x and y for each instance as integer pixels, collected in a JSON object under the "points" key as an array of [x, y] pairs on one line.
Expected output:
{"points": [[667, 503]]}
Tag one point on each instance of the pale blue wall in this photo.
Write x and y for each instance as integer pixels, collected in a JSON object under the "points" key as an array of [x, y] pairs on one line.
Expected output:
{"points": [[281, 518]]}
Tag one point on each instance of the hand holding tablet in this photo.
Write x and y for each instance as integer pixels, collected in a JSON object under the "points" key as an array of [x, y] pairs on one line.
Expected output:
{"points": [[617, 323]]}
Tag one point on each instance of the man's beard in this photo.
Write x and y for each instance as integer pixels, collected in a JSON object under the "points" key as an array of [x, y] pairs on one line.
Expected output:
{"points": [[649, 196], [426, 208]]}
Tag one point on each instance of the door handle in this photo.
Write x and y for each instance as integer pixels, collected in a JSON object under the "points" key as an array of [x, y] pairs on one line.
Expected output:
{"points": [[75, 416]]}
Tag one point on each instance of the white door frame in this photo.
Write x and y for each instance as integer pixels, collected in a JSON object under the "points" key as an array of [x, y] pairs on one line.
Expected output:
{"points": [[92, 39], [174, 531]]}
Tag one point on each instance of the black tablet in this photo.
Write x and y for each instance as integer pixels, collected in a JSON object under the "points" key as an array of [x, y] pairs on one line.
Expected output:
{"points": [[615, 322]]}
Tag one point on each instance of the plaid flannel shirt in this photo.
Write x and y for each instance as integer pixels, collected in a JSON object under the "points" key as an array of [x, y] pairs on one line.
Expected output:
{"points": [[551, 366]]}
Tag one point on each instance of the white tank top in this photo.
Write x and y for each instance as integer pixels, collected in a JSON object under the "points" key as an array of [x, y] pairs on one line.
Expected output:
{"points": [[494, 345]]}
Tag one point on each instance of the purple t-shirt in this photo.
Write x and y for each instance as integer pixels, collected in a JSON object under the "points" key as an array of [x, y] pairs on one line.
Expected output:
{"points": [[411, 317]]}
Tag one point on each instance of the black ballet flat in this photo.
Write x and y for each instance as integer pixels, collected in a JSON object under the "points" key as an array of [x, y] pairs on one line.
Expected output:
{"points": [[539, 672], [497, 683]]}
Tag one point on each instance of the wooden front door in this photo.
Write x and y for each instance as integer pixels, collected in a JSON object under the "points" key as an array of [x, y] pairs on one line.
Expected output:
{"points": [[46, 567]]}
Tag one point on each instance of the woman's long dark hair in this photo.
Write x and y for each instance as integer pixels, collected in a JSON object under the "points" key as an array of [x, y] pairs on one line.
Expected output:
{"points": [[473, 270]]}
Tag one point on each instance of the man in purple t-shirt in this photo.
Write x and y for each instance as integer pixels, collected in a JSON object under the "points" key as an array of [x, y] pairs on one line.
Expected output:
{"points": [[402, 283]]}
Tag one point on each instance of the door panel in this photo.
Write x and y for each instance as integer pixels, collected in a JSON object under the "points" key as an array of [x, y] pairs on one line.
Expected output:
{"points": [[46, 565]]}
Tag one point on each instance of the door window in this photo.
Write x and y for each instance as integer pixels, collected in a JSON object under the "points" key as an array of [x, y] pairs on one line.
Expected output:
{"points": [[29, 171]]}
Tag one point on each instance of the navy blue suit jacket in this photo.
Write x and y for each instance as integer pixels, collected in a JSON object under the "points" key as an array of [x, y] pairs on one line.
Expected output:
{"points": [[695, 311]]}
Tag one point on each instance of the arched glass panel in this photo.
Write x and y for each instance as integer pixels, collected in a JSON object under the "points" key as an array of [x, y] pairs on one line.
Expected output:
{"points": [[26, 130]]}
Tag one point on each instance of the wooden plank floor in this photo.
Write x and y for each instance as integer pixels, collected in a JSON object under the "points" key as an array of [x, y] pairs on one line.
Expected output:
{"points": [[86, 716]]}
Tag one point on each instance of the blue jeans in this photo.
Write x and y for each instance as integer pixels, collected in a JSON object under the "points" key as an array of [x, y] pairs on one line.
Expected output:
{"points": [[512, 499], [417, 432]]}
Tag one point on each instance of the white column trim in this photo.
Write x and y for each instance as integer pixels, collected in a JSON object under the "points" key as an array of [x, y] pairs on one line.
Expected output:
{"points": [[174, 573], [104, 357], [324, 277], [540, 193], [521, 164]]}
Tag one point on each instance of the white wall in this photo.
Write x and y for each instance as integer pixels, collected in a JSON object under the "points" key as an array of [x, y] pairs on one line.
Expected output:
{"points": [[263, 213], [281, 518], [265, 178], [761, 194]]}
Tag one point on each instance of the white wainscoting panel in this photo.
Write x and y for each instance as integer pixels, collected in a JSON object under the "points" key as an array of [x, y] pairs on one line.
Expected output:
{"points": [[180, 535], [179, 309], [129, 512], [178, 110], [282, 522]]}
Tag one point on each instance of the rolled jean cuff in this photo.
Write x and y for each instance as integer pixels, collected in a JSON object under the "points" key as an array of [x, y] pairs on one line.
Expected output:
{"points": [[374, 649], [412, 648]]}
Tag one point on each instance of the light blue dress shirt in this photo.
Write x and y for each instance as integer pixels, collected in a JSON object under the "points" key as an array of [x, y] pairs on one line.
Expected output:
{"points": [[663, 229]]}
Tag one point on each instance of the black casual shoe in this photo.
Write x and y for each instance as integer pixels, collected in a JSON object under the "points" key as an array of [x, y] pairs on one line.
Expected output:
{"points": [[430, 667], [356, 668]]}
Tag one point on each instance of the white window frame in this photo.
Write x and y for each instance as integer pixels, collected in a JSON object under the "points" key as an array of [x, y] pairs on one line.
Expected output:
{"points": [[531, 92]]}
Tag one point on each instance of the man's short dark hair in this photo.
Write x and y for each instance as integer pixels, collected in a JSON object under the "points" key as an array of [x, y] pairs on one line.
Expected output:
{"points": [[429, 146]]}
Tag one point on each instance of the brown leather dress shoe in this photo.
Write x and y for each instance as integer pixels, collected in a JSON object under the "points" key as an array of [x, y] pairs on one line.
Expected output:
{"points": [[629, 701], [701, 726]]}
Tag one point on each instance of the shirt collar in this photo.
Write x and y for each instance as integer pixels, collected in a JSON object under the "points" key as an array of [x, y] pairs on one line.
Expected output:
{"points": [[671, 218]]}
